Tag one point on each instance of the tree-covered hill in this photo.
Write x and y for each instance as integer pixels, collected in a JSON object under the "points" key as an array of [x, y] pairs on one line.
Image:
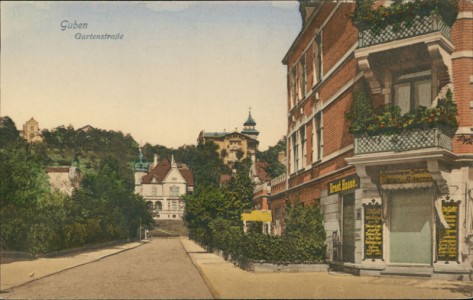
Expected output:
{"points": [[273, 168]]}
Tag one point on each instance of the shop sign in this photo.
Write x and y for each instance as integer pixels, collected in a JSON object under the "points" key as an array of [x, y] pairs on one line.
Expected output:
{"points": [[344, 185], [405, 176], [373, 231], [447, 239]]}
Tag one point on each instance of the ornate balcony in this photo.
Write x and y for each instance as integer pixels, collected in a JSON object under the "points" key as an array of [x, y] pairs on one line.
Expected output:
{"points": [[420, 26], [405, 141]]}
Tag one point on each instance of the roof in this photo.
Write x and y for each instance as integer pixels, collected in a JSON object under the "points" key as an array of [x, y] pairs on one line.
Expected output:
{"points": [[215, 134], [224, 134], [250, 121], [260, 171], [162, 169], [58, 169], [225, 178]]}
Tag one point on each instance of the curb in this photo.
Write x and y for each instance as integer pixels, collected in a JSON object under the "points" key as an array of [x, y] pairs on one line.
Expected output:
{"points": [[208, 282], [75, 266]]}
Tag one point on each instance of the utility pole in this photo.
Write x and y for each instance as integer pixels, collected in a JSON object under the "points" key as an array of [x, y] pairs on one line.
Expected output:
{"points": [[140, 230]]}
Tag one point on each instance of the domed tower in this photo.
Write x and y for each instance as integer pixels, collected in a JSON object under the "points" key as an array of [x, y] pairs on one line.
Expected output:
{"points": [[141, 169], [249, 127]]}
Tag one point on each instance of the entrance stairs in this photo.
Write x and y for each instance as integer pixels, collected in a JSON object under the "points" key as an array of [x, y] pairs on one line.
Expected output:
{"points": [[416, 271]]}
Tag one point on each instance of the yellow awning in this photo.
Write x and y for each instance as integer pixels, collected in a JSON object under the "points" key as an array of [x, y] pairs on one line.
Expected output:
{"points": [[257, 216]]}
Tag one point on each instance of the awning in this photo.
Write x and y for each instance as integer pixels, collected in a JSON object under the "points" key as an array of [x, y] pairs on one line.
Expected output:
{"points": [[257, 216]]}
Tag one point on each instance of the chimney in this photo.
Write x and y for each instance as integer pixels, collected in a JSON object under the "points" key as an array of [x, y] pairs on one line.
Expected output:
{"points": [[155, 163]]}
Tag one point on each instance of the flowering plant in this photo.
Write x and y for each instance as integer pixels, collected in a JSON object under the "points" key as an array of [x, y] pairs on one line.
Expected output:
{"points": [[401, 13], [365, 121]]}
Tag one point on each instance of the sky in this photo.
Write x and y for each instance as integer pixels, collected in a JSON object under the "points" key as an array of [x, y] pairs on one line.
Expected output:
{"points": [[178, 68]]}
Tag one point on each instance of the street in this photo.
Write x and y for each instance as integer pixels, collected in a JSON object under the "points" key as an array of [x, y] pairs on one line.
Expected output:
{"points": [[169, 268], [158, 269]]}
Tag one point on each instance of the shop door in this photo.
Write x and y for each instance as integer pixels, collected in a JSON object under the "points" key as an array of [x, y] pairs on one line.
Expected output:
{"points": [[348, 228], [410, 230]]}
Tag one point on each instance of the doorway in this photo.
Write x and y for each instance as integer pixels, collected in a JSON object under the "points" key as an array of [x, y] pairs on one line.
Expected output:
{"points": [[348, 228], [411, 226]]}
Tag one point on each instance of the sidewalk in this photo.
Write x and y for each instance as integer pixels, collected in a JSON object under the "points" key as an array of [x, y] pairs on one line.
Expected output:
{"points": [[227, 281], [20, 272]]}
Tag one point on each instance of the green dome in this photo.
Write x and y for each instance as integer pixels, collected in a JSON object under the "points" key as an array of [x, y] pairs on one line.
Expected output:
{"points": [[250, 121], [141, 164]]}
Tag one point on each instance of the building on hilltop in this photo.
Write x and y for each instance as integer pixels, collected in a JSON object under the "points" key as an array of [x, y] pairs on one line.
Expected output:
{"points": [[64, 179], [234, 146], [395, 189], [31, 131], [162, 184]]}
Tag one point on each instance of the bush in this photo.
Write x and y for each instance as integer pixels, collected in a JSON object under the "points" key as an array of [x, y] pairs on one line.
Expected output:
{"points": [[304, 241]]}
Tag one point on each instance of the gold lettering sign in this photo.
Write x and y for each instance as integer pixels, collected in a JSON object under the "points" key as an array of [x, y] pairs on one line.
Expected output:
{"points": [[343, 185], [447, 238], [405, 176], [373, 231]]}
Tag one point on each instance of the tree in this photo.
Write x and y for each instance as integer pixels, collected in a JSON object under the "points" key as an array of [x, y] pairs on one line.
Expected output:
{"points": [[205, 163], [8, 132], [213, 202], [274, 167]]}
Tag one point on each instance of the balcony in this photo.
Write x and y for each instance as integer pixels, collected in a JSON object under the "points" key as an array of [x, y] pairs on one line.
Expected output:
{"points": [[419, 26], [440, 137]]}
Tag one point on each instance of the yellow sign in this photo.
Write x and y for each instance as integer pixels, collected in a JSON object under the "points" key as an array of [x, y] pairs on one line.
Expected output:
{"points": [[343, 185], [257, 216], [405, 176], [447, 239]]}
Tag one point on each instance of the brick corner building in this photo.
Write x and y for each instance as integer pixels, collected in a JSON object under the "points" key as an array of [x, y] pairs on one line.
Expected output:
{"points": [[396, 191]]}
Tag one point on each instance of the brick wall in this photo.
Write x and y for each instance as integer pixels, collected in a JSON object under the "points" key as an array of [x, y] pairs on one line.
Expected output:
{"points": [[338, 36]]}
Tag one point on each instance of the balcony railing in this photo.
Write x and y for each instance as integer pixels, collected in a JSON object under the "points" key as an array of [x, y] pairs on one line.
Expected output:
{"points": [[420, 26], [405, 141]]}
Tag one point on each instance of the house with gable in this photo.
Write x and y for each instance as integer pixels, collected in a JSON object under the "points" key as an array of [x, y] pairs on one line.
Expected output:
{"points": [[162, 184]]}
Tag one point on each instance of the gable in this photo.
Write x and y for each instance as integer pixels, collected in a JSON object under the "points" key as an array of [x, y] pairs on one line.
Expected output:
{"points": [[174, 176]]}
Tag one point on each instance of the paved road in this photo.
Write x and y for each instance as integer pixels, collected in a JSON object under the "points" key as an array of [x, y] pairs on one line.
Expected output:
{"points": [[158, 269]]}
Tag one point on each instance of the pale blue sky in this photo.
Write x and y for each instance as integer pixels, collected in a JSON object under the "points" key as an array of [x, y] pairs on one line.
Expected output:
{"points": [[181, 67]]}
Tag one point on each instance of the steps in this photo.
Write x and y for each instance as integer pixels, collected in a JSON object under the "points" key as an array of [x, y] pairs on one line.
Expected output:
{"points": [[416, 271]]}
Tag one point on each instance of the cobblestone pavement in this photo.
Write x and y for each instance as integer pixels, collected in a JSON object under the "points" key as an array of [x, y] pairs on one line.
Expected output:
{"points": [[158, 269]]}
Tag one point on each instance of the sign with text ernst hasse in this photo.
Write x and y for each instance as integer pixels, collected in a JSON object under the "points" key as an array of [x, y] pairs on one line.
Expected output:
{"points": [[405, 176], [345, 184]]}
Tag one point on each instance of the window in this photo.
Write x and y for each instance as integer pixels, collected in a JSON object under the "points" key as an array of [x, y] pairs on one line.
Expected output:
{"points": [[293, 90], [174, 191], [412, 90], [174, 205], [317, 59], [303, 145], [159, 205], [154, 191], [295, 151], [304, 76], [317, 148]]}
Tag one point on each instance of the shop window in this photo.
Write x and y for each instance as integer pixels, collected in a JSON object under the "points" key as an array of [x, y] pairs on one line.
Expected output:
{"points": [[413, 90]]}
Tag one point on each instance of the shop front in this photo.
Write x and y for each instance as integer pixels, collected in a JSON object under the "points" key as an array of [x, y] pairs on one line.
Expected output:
{"points": [[414, 218]]}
